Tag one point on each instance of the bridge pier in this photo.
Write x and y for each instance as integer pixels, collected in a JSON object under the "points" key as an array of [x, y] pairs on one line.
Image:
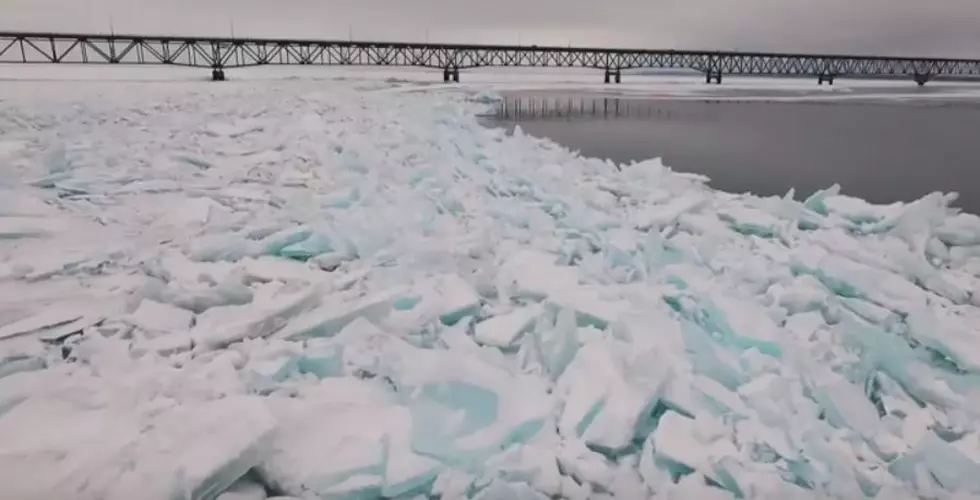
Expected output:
{"points": [[829, 79], [450, 74], [218, 75], [713, 76], [921, 78], [614, 75]]}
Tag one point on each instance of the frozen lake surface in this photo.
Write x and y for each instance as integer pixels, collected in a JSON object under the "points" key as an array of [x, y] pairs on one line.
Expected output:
{"points": [[342, 285]]}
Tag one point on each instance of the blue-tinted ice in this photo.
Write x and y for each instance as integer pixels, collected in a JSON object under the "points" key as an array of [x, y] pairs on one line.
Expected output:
{"points": [[312, 290]]}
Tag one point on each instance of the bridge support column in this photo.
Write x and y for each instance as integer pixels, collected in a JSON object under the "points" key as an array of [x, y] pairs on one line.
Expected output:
{"points": [[713, 76], [921, 78], [450, 74], [614, 75], [217, 75], [829, 79]]}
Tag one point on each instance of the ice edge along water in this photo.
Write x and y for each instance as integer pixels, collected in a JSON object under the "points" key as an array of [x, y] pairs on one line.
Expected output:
{"points": [[329, 290]]}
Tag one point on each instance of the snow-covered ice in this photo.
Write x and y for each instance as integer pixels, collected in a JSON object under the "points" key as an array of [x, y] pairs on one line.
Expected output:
{"points": [[345, 289]]}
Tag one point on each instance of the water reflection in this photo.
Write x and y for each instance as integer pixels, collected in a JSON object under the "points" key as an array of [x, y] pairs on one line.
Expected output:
{"points": [[582, 107], [536, 108]]}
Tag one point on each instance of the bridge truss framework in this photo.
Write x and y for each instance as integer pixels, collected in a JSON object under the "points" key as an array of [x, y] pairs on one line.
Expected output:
{"points": [[219, 54]]}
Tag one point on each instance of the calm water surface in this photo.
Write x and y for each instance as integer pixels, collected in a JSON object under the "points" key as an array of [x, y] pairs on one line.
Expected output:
{"points": [[880, 150]]}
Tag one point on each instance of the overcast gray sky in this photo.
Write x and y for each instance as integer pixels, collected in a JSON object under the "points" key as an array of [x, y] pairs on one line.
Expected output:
{"points": [[886, 27]]}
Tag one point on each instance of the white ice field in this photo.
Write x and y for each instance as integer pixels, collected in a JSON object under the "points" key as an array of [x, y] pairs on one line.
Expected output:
{"points": [[350, 289]]}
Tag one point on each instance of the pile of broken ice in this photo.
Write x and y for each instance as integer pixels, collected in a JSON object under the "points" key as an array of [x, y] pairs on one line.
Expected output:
{"points": [[324, 292]]}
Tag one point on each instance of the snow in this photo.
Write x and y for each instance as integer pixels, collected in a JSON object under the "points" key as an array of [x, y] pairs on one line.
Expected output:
{"points": [[195, 450], [503, 330], [244, 489], [35, 324], [349, 288], [330, 319], [152, 316]]}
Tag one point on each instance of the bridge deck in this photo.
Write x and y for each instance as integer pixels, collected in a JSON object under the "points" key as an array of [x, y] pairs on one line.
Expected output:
{"points": [[219, 53]]}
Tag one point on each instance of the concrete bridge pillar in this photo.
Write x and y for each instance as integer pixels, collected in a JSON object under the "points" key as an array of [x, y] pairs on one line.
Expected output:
{"points": [[218, 75], [614, 75], [921, 78], [713, 76], [450, 74], [829, 79]]}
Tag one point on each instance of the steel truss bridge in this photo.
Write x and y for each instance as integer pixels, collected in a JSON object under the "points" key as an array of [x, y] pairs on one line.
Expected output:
{"points": [[219, 54]]}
